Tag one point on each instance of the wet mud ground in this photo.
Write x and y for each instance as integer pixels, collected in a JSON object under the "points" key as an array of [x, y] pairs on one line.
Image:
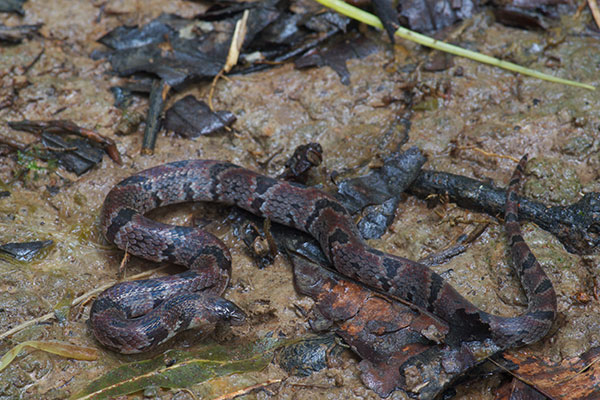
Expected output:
{"points": [[468, 104]]}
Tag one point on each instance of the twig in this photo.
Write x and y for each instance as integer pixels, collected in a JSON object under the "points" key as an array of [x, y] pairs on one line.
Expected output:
{"points": [[59, 149], [124, 261], [35, 60], [487, 153], [233, 55], [61, 127], [248, 389], [452, 250], [211, 92]]}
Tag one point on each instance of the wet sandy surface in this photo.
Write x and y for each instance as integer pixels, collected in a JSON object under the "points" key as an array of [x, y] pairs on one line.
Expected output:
{"points": [[277, 110]]}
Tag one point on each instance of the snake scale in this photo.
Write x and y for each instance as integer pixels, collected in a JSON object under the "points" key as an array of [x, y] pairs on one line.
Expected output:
{"points": [[133, 317]]}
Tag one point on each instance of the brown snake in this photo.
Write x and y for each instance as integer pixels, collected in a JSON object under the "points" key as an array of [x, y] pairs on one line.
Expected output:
{"points": [[136, 316]]}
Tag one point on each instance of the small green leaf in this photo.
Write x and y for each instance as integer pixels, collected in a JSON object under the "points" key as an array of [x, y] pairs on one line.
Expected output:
{"points": [[179, 369]]}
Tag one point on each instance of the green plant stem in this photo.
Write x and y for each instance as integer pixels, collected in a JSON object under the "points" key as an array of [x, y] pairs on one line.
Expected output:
{"points": [[370, 19]]}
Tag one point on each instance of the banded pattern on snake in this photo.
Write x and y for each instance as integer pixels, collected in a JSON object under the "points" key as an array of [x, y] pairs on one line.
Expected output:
{"points": [[137, 316]]}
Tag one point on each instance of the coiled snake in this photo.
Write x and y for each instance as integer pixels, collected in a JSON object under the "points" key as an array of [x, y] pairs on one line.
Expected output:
{"points": [[132, 317]]}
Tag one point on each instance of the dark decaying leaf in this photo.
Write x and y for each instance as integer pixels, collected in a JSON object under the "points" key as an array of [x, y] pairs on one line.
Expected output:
{"points": [[575, 378], [378, 205], [62, 127], [284, 31], [334, 55], [127, 37], [402, 347], [519, 18], [192, 118], [16, 34], [175, 49], [327, 22], [14, 6], [76, 155], [433, 15], [25, 251], [397, 173], [180, 369], [159, 49], [178, 50], [388, 15]]}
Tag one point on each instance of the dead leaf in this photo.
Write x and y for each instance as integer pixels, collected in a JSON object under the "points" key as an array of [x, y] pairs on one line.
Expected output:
{"points": [[60, 348]]}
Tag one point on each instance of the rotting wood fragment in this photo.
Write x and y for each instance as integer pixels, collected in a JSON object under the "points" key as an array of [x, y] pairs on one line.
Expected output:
{"points": [[577, 226], [155, 108]]}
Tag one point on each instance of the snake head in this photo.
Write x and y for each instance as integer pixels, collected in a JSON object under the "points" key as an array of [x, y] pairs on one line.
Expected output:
{"points": [[219, 309]]}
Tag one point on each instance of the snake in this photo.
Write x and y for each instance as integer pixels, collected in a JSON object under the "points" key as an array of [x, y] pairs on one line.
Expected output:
{"points": [[138, 316]]}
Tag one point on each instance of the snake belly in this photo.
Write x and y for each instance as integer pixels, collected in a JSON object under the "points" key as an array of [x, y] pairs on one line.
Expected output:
{"points": [[132, 317]]}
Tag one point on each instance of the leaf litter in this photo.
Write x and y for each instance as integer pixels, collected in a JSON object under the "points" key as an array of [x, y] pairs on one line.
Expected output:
{"points": [[177, 369]]}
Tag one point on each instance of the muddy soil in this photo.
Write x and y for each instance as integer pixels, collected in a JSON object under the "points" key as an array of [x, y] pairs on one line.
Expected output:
{"points": [[466, 105]]}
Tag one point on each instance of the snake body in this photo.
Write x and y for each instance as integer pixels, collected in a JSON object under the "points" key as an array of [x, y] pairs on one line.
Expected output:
{"points": [[136, 316]]}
